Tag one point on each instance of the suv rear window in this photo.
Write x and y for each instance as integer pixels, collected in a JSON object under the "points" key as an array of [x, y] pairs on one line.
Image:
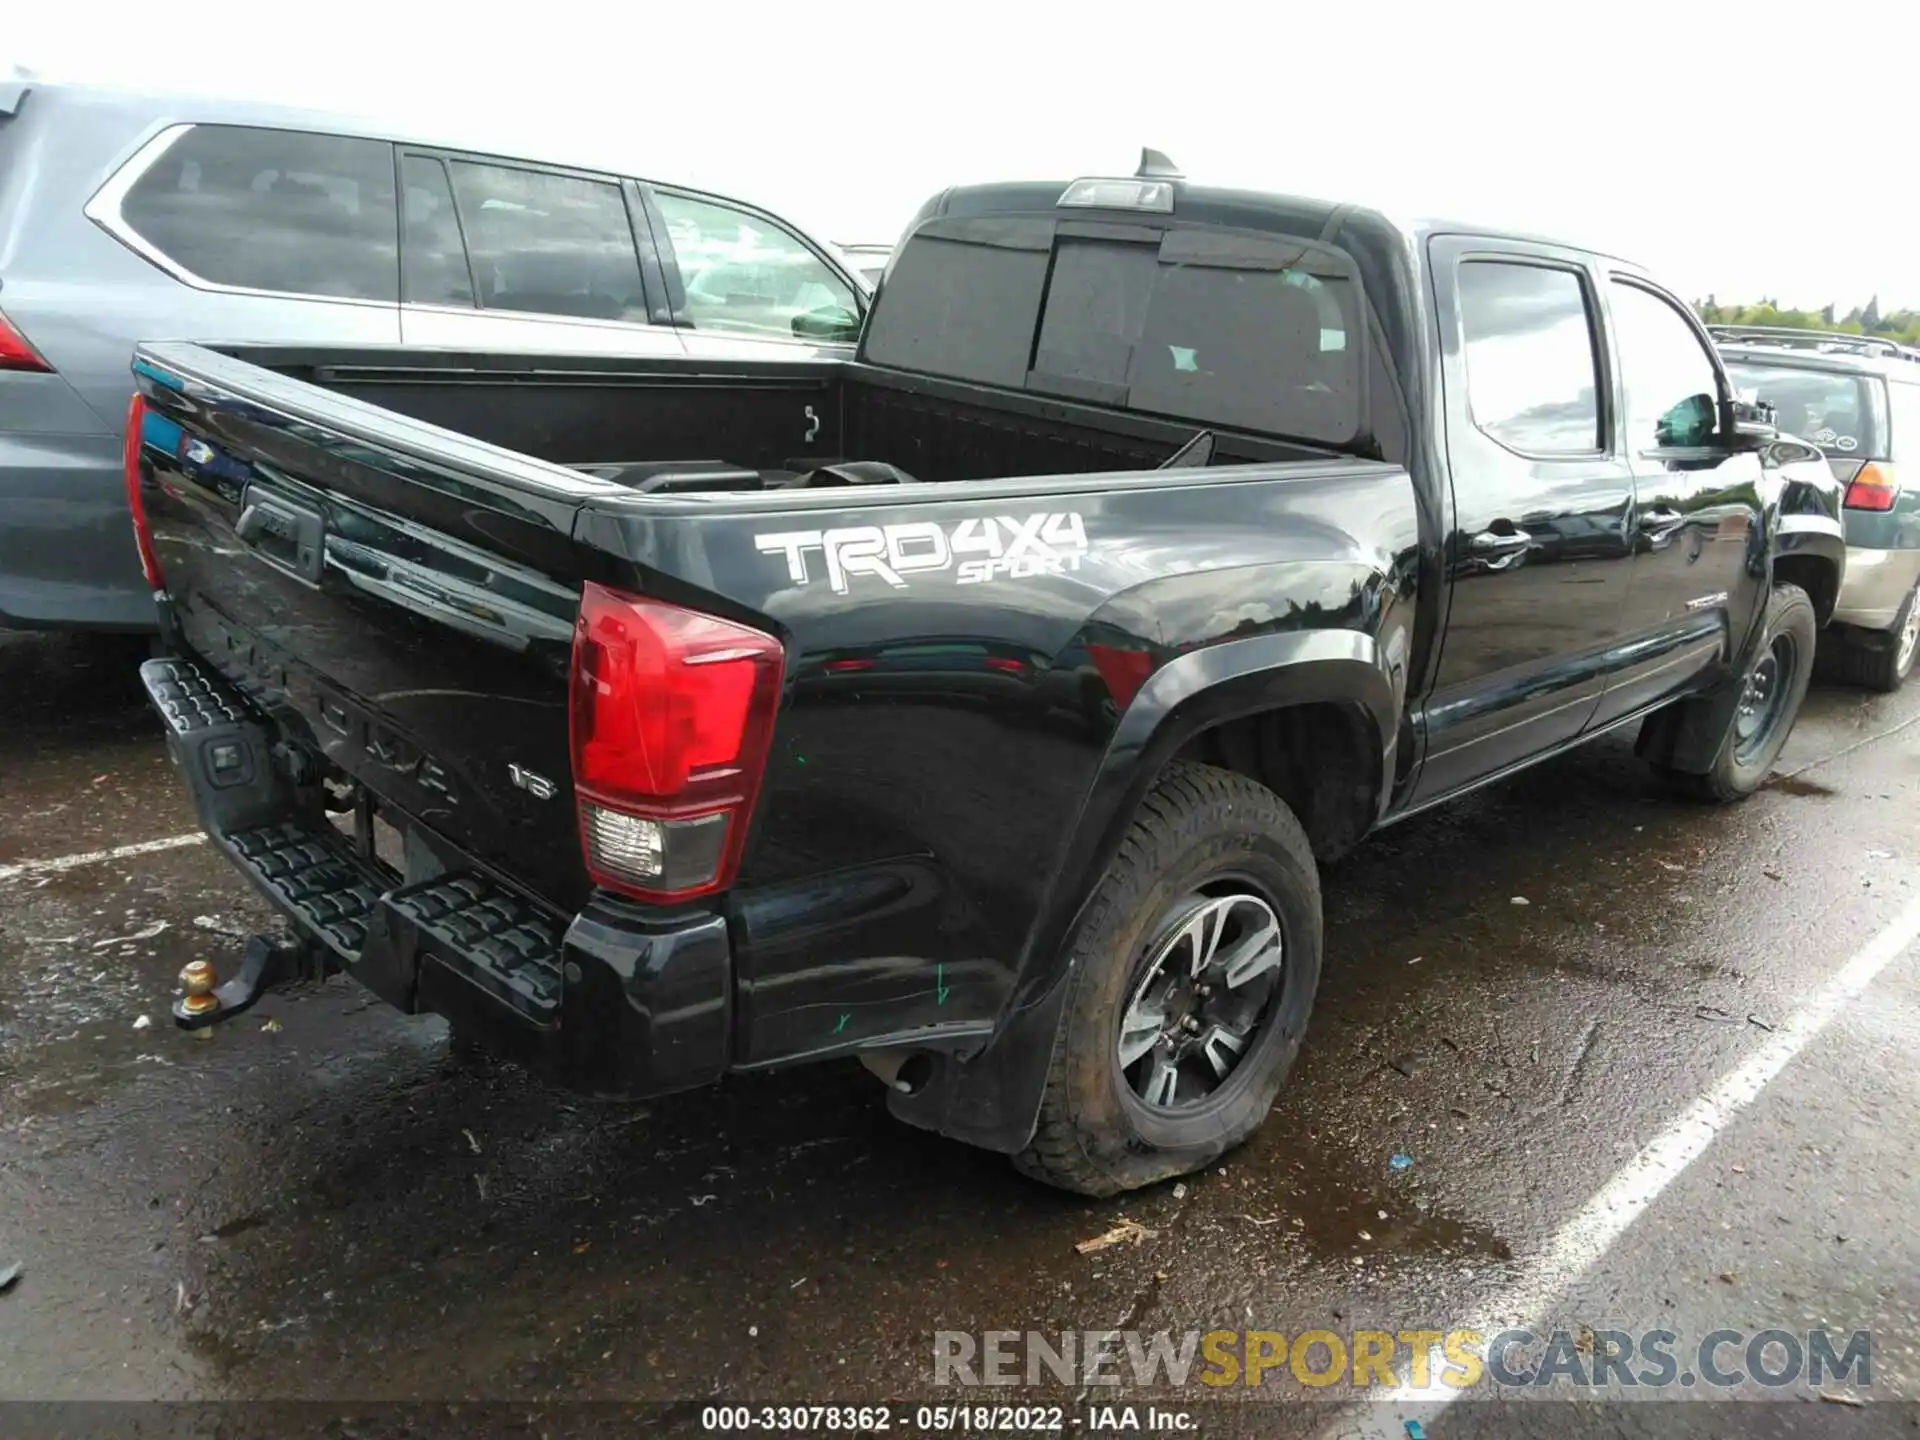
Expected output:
{"points": [[1903, 415], [1833, 409], [1241, 330], [273, 210]]}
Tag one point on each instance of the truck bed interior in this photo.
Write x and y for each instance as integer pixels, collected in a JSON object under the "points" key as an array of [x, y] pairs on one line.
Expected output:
{"points": [[669, 425]]}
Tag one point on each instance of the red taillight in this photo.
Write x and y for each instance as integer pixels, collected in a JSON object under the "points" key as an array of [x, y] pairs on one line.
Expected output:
{"points": [[142, 531], [1872, 488], [16, 353], [671, 716]]}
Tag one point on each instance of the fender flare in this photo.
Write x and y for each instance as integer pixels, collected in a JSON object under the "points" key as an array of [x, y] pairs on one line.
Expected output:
{"points": [[1686, 735], [1814, 536], [993, 1098], [1192, 693]]}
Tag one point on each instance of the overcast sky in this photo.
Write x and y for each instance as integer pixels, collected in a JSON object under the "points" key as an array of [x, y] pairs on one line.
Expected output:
{"points": [[1658, 131]]}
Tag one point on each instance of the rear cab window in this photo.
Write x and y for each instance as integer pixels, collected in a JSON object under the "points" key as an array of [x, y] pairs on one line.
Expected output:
{"points": [[1837, 410], [287, 211], [1238, 329]]}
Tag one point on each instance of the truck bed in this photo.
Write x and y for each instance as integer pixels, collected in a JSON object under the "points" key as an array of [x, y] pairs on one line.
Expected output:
{"points": [[606, 411]]}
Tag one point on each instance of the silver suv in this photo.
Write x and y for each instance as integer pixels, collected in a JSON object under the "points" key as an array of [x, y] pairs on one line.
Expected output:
{"points": [[127, 217]]}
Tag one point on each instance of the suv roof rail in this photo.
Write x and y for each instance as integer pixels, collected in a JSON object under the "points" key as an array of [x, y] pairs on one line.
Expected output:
{"points": [[1792, 337]]}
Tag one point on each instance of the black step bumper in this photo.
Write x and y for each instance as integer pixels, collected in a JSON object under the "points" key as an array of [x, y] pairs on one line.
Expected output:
{"points": [[615, 1000]]}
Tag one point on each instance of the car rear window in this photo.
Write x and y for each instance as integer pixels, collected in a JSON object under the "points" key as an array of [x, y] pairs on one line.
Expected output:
{"points": [[1229, 328], [1833, 409], [281, 210], [1903, 414]]}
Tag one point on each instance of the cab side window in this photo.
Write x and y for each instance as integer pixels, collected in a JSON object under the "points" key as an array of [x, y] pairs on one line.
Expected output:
{"points": [[742, 273], [1672, 385]]}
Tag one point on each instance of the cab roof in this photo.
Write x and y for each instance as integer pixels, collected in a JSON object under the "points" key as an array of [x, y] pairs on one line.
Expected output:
{"points": [[1272, 211]]}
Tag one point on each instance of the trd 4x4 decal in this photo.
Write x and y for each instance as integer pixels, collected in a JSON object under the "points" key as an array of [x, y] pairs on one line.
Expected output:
{"points": [[978, 550]]}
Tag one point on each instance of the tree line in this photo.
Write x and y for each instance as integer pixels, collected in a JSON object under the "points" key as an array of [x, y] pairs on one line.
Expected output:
{"points": [[1900, 325]]}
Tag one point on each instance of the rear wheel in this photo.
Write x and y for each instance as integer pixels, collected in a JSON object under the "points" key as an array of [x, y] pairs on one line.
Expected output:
{"points": [[1882, 659], [1750, 716], [1191, 984]]}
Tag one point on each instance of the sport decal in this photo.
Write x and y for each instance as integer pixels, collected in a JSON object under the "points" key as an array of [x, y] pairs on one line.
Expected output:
{"points": [[977, 551]]}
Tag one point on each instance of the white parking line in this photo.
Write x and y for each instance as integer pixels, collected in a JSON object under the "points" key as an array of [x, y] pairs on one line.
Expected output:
{"points": [[94, 857], [1581, 1242]]}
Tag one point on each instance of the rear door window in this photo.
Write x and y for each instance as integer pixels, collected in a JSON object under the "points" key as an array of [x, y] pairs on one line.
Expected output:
{"points": [[433, 257], [1833, 409], [1527, 336], [282, 210], [549, 243]]}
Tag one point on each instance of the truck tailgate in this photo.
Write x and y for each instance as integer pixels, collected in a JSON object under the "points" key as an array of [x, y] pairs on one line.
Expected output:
{"points": [[410, 625]]}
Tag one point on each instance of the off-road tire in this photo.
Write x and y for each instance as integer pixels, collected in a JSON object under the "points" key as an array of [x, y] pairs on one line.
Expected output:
{"points": [[1198, 826], [1733, 775]]}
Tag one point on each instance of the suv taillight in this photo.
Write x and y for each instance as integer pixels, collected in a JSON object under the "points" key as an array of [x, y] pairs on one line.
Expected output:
{"points": [[16, 353], [671, 715], [1872, 488], [136, 502]]}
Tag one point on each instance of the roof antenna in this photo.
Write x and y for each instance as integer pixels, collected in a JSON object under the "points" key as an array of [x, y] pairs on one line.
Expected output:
{"points": [[1156, 166]]}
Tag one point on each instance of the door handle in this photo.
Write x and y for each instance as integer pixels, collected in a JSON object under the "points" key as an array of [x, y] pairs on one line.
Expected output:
{"points": [[1661, 520], [1499, 542]]}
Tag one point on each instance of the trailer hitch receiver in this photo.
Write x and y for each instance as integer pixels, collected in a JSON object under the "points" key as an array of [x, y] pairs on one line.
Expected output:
{"points": [[204, 1001]]}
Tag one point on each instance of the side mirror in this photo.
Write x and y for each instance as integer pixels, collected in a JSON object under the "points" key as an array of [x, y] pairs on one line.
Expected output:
{"points": [[833, 324], [1688, 424]]}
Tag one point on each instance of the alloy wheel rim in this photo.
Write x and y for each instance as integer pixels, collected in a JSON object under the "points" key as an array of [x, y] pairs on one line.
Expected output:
{"points": [[1194, 1015], [1909, 633]]}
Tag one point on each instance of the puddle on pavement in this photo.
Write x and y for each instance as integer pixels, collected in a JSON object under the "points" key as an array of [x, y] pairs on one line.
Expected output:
{"points": [[1325, 1196]]}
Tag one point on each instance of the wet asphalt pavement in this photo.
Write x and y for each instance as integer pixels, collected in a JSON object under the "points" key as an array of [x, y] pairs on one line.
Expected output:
{"points": [[322, 1202]]}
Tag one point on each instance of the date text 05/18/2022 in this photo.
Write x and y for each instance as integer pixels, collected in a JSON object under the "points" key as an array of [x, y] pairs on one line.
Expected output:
{"points": [[945, 1419]]}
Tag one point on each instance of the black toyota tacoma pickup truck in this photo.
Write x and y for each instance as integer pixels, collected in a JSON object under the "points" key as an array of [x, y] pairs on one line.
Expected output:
{"points": [[985, 705]]}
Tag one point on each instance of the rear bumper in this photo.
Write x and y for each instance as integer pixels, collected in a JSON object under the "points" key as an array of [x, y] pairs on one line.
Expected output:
{"points": [[1876, 586], [615, 1000], [67, 557]]}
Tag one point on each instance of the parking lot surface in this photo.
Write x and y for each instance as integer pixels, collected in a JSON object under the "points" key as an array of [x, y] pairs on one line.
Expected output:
{"points": [[1528, 996]]}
